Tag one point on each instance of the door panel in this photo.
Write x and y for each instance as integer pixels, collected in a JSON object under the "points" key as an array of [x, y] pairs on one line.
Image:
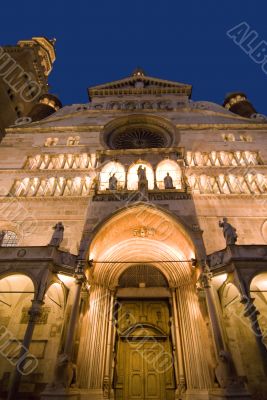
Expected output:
{"points": [[153, 380], [140, 372], [134, 387]]}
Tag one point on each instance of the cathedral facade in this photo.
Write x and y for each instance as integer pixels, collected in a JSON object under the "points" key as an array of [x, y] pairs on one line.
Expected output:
{"points": [[133, 257]]}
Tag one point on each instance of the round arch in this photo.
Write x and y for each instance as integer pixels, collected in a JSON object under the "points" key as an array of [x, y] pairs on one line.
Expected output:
{"points": [[109, 169], [160, 132], [22, 273], [258, 291], [132, 177], [142, 233], [168, 167]]}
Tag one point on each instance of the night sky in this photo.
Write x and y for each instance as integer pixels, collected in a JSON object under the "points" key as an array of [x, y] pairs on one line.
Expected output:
{"points": [[184, 41]]}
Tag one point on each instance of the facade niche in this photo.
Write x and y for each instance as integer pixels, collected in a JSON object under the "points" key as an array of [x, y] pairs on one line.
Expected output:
{"points": [[51, 142]]}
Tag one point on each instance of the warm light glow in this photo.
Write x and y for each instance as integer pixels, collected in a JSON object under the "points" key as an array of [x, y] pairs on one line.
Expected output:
{"points": [[171, 167], [219, 280], [108, 170], [132, 177], [259, 282], [66, 279]]}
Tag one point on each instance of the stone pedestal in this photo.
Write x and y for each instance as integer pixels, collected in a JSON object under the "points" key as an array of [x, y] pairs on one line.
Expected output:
{"points": [[224, 394], [68, 394]]}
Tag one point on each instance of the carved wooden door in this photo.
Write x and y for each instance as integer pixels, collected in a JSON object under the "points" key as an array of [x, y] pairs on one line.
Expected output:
{"points": [[144, 368]]}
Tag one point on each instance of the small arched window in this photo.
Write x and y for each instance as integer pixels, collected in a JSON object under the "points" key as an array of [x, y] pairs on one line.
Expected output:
{"points": [[51, 142], [8, 239], [73, 141], [245, 138], [228, 137]]}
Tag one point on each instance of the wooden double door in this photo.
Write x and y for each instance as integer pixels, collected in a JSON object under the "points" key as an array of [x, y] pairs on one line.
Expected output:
{"points": [[144, 364]]}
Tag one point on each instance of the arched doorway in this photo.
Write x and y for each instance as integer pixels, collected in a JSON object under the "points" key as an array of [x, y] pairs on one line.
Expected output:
{"points": [[144, 365], [142, 267]]}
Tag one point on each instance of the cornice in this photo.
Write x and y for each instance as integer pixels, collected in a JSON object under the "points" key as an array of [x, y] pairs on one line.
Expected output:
{"points": [[98, 128], [50, 172], [63, 129], [224, 168], [71, 199], [222, 196]]}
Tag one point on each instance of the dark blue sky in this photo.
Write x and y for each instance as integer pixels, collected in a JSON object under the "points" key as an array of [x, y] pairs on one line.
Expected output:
{"points": [[101, 41]]}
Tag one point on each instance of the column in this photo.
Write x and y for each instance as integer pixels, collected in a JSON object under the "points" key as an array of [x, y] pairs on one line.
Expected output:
{"points": [[107, 376], [74, 311], [204, 280], [34, 313], [180, 377], [198, 379], [155, 178], [93, 351]]}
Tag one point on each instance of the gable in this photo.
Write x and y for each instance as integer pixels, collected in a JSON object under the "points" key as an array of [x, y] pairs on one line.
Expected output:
{"points": [[139, 83]]}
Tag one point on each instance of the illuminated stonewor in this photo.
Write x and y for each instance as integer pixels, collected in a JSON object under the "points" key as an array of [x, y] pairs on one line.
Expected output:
{"points": [[117, 280], [24, 71]]}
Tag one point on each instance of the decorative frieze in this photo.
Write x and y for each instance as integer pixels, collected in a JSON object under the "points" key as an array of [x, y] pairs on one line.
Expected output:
{"points": [[222, 158], [228, 184], [250, 183], [55, 186], [60, 161]]}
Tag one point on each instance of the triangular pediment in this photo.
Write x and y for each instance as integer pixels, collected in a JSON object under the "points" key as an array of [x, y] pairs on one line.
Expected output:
{"points": [[139, 82]]}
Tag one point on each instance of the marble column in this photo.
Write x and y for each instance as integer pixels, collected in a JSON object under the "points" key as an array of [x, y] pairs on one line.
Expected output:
{"points": [[68, 346], [205, 282], [180, 376], [94, 336], [198, 379], [107, 383], [34, 313]]}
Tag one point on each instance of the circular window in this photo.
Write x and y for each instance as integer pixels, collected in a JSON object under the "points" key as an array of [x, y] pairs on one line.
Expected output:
{"points": [[139, 132], [137, 138]]}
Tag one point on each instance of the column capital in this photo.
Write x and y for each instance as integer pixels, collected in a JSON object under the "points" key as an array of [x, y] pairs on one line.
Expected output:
{"points": [[36, 310], [204, 278], [79, 272]]}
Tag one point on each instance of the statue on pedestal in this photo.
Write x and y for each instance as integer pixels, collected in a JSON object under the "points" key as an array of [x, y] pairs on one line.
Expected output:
{"points": [[168, 182], [229, 232], [113, 182], [58, 235], [142, 181]]}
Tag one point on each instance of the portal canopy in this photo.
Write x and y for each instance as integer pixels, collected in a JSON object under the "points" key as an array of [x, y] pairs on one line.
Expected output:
{"points": [[138, 234]]}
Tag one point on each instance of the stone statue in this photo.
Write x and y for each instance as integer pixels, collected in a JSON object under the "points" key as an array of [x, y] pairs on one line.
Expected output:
{"points": [[58, 234], [2, 235], [95, 184], [142, 183], [229, 232], [168, 182], [141, 172], [113, 182]]}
